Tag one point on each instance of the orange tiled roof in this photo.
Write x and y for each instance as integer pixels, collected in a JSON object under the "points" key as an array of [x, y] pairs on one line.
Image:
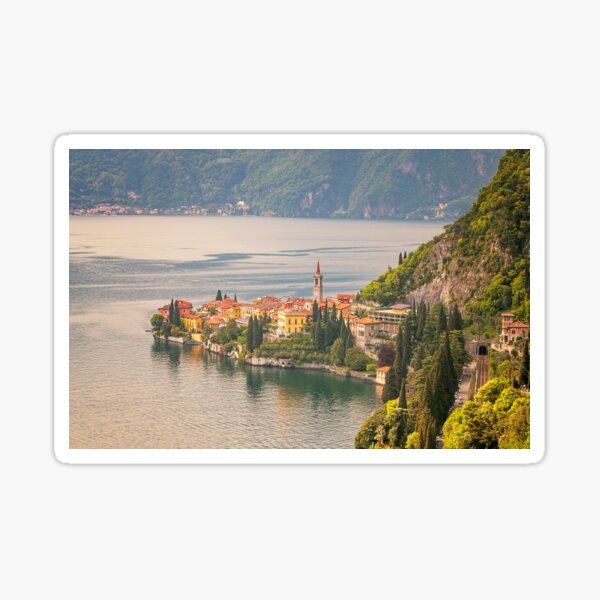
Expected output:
{"points": [[383, 369]]}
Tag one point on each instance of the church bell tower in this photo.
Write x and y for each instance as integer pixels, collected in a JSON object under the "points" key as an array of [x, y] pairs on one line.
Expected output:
{"points": [[318, 284]]}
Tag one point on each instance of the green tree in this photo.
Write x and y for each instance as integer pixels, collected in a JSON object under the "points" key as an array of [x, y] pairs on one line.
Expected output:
{"points": [[390, 389], [176, 315], [515, 430], [413, 441], [250, 343], [338, 352], [366, 436], [219, 295], [402, 397], [315, 311], [356, 359], [490, 391], [156, 321], [385, 355], [442, 323], [524, 366], [171, 311]]}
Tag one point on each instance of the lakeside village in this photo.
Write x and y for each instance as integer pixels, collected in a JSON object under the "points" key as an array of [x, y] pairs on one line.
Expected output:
{"points": [[341, 334], [226, 210]]}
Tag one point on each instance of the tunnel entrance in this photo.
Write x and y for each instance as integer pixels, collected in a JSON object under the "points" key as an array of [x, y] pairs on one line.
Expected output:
{"points": [[482, 350]]}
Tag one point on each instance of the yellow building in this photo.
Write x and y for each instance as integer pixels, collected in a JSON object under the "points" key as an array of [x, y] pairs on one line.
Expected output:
{"points": [[260, 310], [291, 321], [234, 311], [192, 323]]}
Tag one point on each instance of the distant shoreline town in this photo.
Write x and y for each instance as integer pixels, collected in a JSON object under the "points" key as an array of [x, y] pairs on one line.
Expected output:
{"points": [[227, 209], [240, 208]]}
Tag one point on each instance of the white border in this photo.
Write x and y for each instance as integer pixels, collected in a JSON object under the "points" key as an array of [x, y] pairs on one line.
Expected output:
{"points": [[284, 141]]}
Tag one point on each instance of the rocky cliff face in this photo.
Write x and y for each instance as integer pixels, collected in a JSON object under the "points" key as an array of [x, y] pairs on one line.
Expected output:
{"points": [[481, 261]]}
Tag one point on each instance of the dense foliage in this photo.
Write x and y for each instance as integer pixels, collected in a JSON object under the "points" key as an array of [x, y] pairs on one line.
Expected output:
{"points": [[498, 417], [353, 183], [421, 383], [481, 261]]}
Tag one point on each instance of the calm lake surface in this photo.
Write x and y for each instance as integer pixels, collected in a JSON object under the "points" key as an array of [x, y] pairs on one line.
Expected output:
{"points": [[127, 391]]}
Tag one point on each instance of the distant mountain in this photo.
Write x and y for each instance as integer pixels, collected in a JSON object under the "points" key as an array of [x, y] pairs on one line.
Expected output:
{"points": [[294, 183], [481, 261]]}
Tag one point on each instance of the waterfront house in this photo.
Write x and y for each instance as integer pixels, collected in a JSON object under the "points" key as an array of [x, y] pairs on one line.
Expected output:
{"points": [[291, 321], [381, 374], [192, 323], [365, 332]]}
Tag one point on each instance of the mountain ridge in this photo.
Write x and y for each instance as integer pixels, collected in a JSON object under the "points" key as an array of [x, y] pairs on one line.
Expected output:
{"points": [[396, 184]]}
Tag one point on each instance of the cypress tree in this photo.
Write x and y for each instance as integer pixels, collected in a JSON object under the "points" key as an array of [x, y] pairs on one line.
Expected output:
{"points": [[219, 295], [419, 355], [176, 315], [258, 333], [406, 352], [334, 313], [330, 333], [315, 311], [421, 317], [400, 259], [342, 331], [326, 312], [442, 323], [458, 318], [349, 339], [524, 366], [405, 255], [235, 297], [454, 319], [399, 359], [402, 397], [317, 332], [250, 341], [171, 311], [451, 368], [225, 297], [390, 388]]}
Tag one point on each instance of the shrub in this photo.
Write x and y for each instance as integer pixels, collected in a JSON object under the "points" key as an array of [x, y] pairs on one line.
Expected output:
{"points": [[356, 359]]}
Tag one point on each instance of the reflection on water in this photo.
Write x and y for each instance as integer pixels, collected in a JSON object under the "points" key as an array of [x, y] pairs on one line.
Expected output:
{"points": [[128, 391]]}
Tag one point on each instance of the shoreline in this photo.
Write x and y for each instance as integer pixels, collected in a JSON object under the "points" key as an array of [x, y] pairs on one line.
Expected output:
{"points": [[255, 361]]}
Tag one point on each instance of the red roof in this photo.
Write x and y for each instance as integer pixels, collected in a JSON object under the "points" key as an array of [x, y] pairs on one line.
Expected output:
{"points": [[518, 325], [367, 321], [318, 271], [384, 369]]}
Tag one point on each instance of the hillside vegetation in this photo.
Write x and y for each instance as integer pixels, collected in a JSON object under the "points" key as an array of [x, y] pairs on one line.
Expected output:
{"points": [[481, 261], [312, 183]]}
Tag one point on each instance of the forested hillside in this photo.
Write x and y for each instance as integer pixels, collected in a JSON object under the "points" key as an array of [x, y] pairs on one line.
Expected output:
{"points": [[319, 183], [481, 261]]}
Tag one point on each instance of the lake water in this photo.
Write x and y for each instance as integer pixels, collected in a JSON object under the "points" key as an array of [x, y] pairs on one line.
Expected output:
{"points": [[127, 391]]}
